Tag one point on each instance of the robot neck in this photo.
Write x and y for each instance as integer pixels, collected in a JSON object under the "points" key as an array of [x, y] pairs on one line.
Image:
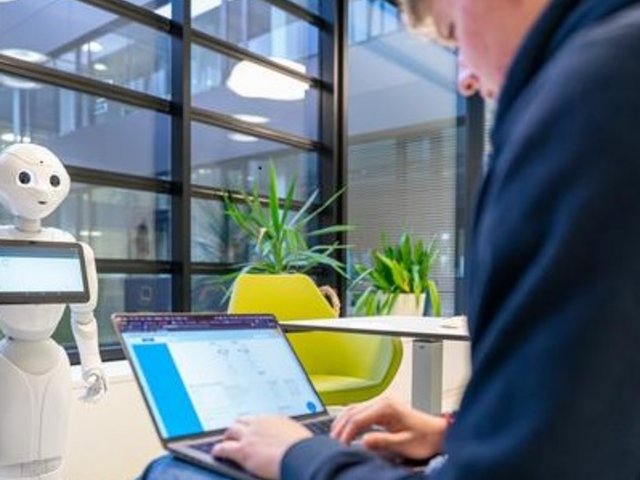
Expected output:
{"points": [[28, 225]]}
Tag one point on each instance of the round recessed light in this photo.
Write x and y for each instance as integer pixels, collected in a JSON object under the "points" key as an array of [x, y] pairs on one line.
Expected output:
{"points": [[241, 137], [250, 80], [245, 117], [24, 54], [100, 67], [8, 137], [92, 46]]}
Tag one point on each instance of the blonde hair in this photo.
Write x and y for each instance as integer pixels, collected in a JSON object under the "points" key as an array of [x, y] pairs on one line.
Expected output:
{"points": [[418, 16]]}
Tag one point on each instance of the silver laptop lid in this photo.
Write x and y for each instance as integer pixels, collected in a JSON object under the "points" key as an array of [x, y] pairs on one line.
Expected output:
{"points": [[199, 372]]}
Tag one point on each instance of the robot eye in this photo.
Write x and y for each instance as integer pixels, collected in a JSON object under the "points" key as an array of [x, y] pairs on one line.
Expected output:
{"points": [[54, 180], [24, 178]]}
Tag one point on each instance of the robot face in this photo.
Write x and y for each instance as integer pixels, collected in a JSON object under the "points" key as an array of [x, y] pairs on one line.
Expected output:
{"points": [[33, 182]]}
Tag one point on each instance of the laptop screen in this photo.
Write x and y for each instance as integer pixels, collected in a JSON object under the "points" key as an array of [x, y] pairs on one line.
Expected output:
{"points": [[199, 373], [42, 272]]}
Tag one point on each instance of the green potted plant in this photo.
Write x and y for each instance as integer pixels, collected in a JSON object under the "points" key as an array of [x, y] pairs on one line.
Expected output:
{"points": [[282, 234], [398, 279]]}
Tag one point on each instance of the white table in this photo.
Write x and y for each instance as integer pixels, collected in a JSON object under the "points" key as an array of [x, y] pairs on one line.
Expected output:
{"points": [[428, 334]]}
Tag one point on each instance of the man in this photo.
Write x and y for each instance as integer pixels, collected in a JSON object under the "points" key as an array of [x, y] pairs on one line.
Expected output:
{"points": [[554, 265]]}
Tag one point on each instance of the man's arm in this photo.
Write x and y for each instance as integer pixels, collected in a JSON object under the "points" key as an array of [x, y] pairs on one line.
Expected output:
{"points": [[320, 458], [555, 279]]}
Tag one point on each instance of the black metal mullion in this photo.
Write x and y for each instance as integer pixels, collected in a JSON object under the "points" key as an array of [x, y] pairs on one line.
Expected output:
{"points": [[58, 78], [132, 12], [333, 111], [470, 142], [181, 156], [134, 267], [230, 123], [218, 194], [231, 50], [119, 180]]}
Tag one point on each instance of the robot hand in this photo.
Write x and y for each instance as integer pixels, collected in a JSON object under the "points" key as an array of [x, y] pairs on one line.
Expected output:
{"points": [[96, 385]]}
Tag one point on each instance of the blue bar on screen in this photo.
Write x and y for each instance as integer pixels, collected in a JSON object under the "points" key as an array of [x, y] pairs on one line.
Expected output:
{"points": [[167, 390]]}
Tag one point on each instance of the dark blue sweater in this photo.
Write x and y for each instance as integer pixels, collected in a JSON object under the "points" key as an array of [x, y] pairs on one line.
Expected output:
{"points": [[554, 270]]}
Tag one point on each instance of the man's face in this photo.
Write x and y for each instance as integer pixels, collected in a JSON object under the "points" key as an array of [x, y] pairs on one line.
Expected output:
{"points": [[487, 33]]}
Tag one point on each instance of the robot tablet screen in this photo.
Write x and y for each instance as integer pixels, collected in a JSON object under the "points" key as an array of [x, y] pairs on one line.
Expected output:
{"points": [[42, 272]]}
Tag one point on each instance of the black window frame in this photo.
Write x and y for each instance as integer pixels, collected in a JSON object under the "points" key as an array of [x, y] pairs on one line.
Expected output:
{"points": [[331, 21]]}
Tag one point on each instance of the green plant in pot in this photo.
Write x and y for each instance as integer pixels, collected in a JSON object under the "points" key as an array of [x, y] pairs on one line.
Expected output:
{"points": [[283, 234], [398, 279]]}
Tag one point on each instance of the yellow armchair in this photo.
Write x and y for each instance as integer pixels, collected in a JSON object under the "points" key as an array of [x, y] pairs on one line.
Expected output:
{"points": [[345, 368]]}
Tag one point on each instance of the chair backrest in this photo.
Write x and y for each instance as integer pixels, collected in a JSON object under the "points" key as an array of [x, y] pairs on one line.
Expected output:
{"points": [[296, 297]]}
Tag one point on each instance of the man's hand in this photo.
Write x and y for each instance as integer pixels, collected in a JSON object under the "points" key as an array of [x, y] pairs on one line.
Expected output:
{"points": [[408, 432], [259, 443]]}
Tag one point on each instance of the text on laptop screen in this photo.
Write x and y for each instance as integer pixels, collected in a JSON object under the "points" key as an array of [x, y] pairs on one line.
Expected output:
{"points": [[40, 269], [198, 379]]}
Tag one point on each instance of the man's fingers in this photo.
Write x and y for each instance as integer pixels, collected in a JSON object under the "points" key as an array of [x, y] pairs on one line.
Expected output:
{"points": [[235, 431], [360, 421], [386, 440], [341, 420], [229, 449]]}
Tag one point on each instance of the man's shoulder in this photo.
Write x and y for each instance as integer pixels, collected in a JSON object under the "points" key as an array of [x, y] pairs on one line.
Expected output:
{"points": [[608, 50]]}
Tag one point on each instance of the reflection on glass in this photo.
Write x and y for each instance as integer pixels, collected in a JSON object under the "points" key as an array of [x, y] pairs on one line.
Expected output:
{"points": [[117, 223], [404, 150], [313, 5], [214, 236], [122, 293], [208, 292], [259, 27], [72, 36], [234, 87], [84, 130], [221, 158]]}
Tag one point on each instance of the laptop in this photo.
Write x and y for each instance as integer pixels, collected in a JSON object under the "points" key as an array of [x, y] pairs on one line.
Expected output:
{"points": [[199, 372]]}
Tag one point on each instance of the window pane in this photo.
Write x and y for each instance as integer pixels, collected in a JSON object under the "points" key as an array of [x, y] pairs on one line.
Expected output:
{"points": [[214, 236], [117, 223], [405, 149], [225, 159], [161, 7], [229, 86], [313, 5], [260, 27], [207, 293], [84, 130], [122, 293], [72, 36]]}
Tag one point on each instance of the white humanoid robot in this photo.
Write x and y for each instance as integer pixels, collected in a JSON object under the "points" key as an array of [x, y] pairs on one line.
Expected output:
{"points": [[35, 381]]}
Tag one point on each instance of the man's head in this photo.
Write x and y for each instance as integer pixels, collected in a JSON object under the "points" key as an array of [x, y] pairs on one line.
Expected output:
{"points": [[487, 32]]}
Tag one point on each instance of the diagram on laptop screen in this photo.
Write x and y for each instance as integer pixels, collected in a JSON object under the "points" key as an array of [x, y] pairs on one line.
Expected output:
{"points": [[201, 381]]}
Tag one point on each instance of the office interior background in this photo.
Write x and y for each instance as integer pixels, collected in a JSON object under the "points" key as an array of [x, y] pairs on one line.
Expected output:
{"points": [[158, 107]]}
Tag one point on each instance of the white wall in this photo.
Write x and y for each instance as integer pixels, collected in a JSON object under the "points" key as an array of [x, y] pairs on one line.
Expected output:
{"points": [[115, 439]]}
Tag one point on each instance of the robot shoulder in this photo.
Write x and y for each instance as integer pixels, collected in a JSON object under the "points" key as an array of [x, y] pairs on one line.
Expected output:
{"points": [[57, 235]]}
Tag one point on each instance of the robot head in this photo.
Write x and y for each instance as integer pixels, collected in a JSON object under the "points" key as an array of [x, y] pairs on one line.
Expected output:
{"points": [[33, 182]]}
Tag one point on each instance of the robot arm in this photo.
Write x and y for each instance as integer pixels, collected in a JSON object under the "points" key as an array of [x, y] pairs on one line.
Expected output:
{"points": [[85, 332]]}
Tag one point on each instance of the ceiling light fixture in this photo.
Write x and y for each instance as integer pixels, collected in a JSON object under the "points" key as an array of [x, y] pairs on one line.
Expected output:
{"points": [[245, 117], [100, 67], [251, 80], [23, 54], [241, 137], [26, 56], [92, 46], [8, 137]]}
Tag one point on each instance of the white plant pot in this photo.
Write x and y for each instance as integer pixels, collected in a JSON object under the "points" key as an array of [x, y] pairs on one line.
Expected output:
{"points": [[406, 305]]}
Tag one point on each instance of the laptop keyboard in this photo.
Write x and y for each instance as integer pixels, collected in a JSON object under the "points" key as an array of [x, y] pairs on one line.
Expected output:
{"points": [[317, 427], [320, 427]]}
